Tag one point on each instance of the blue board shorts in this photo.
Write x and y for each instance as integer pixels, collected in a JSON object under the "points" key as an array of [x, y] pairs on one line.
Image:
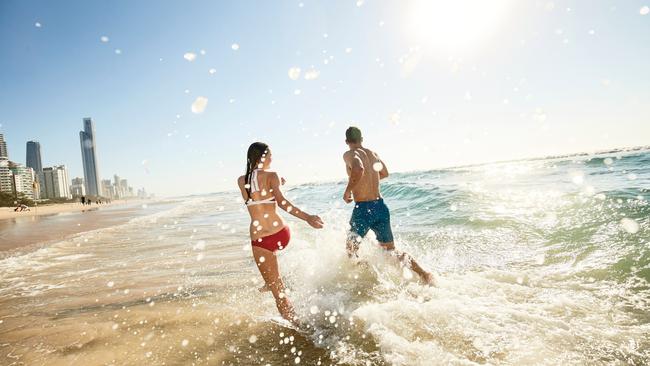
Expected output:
{"points": [[372, 215]]}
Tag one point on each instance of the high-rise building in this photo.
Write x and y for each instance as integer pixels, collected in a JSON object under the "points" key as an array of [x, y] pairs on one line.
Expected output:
{"points": [[54, 182], [5, 174], [3, 148], [23, 180], [33, 159], [89, 158], [78, 189]]}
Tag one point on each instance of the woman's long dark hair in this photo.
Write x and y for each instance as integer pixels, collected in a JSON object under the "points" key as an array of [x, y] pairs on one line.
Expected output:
{"points": [[254, 156]]}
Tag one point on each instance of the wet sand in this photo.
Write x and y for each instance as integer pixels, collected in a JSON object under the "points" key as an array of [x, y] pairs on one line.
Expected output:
{"points": [[9, 213], [46, 226]]}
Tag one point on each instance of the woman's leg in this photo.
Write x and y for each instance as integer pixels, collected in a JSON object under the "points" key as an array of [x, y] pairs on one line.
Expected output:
{"points": [[270, 272]]}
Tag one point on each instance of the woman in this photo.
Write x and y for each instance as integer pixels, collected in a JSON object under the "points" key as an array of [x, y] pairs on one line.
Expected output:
{"points": [[260, 189]]}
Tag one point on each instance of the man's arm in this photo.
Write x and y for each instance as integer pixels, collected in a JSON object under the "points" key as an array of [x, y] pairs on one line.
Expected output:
{"points": [[355, 165], [383, 173]]}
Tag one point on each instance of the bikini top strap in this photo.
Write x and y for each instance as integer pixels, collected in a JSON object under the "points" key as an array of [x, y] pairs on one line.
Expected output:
{"points": [[255, 184]]}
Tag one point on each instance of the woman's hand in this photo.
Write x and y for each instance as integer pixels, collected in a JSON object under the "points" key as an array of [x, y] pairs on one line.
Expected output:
{"points": [[315, 221]]}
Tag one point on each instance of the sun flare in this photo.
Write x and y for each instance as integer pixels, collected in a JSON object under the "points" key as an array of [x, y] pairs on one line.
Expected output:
{"points": [[457, 24]]}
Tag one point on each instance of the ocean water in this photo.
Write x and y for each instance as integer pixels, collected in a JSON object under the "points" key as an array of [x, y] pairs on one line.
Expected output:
{"points": [[542, 261]]}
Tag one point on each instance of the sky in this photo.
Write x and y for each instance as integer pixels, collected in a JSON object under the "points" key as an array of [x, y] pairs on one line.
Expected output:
{"points": [[431, 83]]}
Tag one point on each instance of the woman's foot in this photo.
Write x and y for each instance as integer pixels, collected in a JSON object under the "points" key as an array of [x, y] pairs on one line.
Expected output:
{"points": [[264, 288]]}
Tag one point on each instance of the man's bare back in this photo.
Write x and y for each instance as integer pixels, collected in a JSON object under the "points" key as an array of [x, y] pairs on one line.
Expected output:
{"points": [[364, 164]]}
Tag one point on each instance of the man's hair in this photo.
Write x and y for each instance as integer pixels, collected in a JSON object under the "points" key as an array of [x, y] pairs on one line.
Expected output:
{"points": [[353, 135]]}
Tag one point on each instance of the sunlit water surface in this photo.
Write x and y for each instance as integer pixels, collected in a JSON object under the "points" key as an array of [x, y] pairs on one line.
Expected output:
{"points": [[539, 262]]}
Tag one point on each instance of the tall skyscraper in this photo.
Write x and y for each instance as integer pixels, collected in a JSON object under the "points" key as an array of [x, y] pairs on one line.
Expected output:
{"points": [[34, 156], [55, 182], [3, 148], [89, 157]]}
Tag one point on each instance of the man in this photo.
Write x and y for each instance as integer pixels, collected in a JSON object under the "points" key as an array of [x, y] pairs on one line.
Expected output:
{"points": [[365, 170]]}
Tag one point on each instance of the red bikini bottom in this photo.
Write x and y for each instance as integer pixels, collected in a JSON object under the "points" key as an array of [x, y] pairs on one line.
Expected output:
{"points": [[274, 242]]}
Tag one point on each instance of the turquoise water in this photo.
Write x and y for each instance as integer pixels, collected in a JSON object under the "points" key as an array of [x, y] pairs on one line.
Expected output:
{"points": [[538, 262]]}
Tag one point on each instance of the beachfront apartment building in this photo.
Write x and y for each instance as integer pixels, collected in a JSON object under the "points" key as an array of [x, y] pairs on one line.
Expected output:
{"points": [[54, 182], [23, 180], [77, 189], [107, 189], [89, 158], [5, 176]]}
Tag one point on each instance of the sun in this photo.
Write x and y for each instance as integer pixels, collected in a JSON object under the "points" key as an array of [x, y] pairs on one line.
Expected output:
{"points": [[455, 24]]}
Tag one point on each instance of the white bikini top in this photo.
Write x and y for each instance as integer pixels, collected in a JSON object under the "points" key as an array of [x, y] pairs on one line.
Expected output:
{"points": [[255, 187]]}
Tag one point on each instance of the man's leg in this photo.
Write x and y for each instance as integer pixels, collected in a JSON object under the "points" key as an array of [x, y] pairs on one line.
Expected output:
{"points": [[384, 233], [352, 244], [406, 260]]}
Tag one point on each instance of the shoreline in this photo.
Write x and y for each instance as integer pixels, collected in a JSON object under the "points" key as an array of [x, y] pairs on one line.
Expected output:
{"points": [[19, 233], [57, 208]]}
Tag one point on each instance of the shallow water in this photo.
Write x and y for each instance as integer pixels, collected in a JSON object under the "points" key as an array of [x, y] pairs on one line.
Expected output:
{"points": [[539, 262]]}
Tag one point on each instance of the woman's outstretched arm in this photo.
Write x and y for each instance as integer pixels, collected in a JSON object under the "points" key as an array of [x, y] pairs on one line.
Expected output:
{"points": [[286, 205]]}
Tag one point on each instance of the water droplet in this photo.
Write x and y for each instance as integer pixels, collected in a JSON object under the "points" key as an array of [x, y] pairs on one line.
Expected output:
{"points": [[252, 339], [212, 71], [312, 75], [235, 46], [110, 284], [104, 39], [199, 105], [38, 25], [185, 342], [313, 309], [377, 166], [262, 259], [644, 10]]}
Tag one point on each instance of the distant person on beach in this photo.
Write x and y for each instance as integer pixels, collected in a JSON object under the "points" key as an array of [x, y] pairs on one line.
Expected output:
{"points": [[365, 170], [260, 189], [89, 202], [83, 200], [21, 207]]}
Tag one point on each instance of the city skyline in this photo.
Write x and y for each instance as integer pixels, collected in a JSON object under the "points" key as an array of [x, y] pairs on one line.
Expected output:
{"points": [[430, 86], [36, 182]]}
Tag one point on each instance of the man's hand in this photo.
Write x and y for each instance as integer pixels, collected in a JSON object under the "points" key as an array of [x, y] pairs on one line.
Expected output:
{"points": [[347, 196]]}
